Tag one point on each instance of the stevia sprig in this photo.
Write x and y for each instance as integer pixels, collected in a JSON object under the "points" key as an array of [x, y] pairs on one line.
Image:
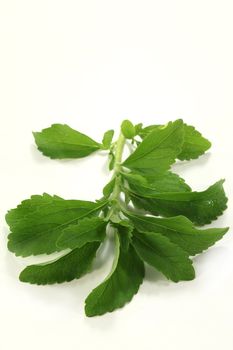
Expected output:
{"points": [[162, 233]]}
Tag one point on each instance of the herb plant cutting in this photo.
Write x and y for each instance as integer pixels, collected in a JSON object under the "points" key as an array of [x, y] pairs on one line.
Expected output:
{"points": [[152, 213]]}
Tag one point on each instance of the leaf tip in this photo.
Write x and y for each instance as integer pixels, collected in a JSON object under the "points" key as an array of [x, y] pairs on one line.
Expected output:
{"points": [[35, 135], [22, 276], [88, 312], [225, 230]]}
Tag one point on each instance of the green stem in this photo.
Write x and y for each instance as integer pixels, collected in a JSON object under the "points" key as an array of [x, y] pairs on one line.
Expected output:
{"points": [[117, 166], [116, 172]]}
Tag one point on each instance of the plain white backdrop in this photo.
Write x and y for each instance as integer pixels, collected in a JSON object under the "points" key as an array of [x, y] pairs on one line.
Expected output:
{"points": [[91, 64]]}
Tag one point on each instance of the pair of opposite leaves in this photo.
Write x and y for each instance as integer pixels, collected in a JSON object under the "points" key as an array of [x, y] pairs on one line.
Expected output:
{"points": [[45, 224]]}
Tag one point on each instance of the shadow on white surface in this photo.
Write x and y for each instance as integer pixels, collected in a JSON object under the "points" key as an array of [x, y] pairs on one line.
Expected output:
{"points": [[201, 161]]}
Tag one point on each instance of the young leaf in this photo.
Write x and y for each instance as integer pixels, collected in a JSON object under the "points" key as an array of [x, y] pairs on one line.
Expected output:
{"points": [[107, 139], [180, 231], [165, 256], [111, 160], [127, 129], [70, 266], [138, 128], [147, 130], [158, 150], [200, 207], [86, 230], [60, 141], [107, 190], [119, 286], [37, 222]]}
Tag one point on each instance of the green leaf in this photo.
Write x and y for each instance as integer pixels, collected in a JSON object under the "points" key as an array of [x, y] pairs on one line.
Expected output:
{"points": [[148, 185], [127, 129], [37, 222], [200, 207], [86, 230], [108, 189], [180, 231], [165, 256], [125, 230], [107, 139], [119, 286], [64, 269], [60, 141], [159, 182], [158, 150], [194, 144]]}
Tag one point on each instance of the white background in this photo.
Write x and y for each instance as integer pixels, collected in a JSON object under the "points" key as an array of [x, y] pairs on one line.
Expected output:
{"points": [[91, 64]]}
